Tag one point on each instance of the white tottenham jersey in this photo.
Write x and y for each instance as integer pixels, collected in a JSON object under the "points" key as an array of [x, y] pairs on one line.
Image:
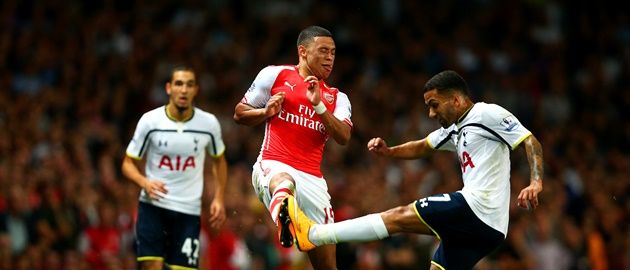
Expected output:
{"points": [[482, 139], [175, 153]]}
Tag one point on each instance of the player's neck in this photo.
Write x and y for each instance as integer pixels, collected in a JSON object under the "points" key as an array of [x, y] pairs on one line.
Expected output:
{"points": [[304, 70], [178, 114], [465, 109]]}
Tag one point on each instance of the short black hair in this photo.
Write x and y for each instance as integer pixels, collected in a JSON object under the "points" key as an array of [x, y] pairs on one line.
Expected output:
{"points": [[307, 35], [177, 68], [447, 81]]}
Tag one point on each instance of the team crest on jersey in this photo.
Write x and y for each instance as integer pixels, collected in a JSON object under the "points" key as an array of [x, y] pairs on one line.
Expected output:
{"points": [[329, 97], [509, 123]]}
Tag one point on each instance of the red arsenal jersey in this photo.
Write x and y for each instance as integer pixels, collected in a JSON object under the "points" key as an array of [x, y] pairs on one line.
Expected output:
{"points": [[295, 136]]}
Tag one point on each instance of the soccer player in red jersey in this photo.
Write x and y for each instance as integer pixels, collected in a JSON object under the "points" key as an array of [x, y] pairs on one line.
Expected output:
{"points": [[300, 112]]}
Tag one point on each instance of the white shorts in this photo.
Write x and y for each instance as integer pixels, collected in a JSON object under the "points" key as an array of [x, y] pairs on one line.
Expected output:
{"points": [[311, 191]]}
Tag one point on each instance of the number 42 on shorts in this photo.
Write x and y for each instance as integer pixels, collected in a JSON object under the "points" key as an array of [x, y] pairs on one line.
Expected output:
{"points": [[191, 252]]}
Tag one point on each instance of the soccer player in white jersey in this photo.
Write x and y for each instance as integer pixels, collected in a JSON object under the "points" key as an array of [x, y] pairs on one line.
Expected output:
{"points": [[300, 112], [172, 142], [470, 222]]}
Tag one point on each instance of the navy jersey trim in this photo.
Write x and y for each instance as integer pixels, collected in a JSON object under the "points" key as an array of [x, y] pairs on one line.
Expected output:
{"points": [[443, 141], [488, 130], [146, 138]]}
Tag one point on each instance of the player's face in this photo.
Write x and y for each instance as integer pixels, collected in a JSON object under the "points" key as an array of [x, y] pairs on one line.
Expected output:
{"points": [[182, 89], [441, 107], [320, 56]]}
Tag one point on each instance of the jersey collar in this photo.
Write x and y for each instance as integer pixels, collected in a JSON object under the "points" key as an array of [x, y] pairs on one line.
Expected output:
{"points": [[461, 118], [169, 116]]}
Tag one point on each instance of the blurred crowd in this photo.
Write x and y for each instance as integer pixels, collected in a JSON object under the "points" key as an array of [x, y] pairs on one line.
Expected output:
{"points": [[75, 76]]}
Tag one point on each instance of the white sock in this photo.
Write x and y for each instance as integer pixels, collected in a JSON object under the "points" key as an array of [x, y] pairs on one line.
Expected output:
{"points": [[361, 229]]}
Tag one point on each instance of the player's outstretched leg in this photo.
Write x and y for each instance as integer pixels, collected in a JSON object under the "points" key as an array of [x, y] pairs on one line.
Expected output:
{"points": [[285, 230], [300, 223]]}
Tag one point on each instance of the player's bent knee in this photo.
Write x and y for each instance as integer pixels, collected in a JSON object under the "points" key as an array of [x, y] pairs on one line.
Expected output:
{"points": [[279, 178]]}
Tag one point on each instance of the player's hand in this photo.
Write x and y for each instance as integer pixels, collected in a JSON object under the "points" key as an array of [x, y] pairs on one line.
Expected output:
{"points": [[528, 197], [217, 215], [312, 90], [378, 146], [155, 189], [274, 104]]}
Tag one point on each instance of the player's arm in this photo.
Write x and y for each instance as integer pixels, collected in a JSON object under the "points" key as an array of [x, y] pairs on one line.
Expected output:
{"points": [[130, 169], [339, 130], [529, 195], [258, 104], [219, 174], [246, 114], [408, 150]]}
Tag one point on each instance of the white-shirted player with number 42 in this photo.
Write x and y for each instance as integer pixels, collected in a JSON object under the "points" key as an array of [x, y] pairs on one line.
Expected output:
{"points": [[300, 112], [174, 140], [471, 222]]}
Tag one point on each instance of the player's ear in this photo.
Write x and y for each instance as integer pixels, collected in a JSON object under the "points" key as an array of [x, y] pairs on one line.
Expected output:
{"points": [[457, 99], [301, 51], [168, 88]]}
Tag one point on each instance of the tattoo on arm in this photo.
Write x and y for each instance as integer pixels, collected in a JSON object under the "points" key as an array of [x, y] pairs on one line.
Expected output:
{"points": [[534, 157]]}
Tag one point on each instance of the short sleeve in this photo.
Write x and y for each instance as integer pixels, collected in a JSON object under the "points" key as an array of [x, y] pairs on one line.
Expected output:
{"points": [[508, 128], [260, 91], [343, 109], [216, 147], [441, 139], [139, 143]]}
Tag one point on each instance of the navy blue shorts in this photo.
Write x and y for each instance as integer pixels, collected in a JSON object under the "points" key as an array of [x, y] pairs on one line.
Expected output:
{"points": [[163, 234], [465, 239]]}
